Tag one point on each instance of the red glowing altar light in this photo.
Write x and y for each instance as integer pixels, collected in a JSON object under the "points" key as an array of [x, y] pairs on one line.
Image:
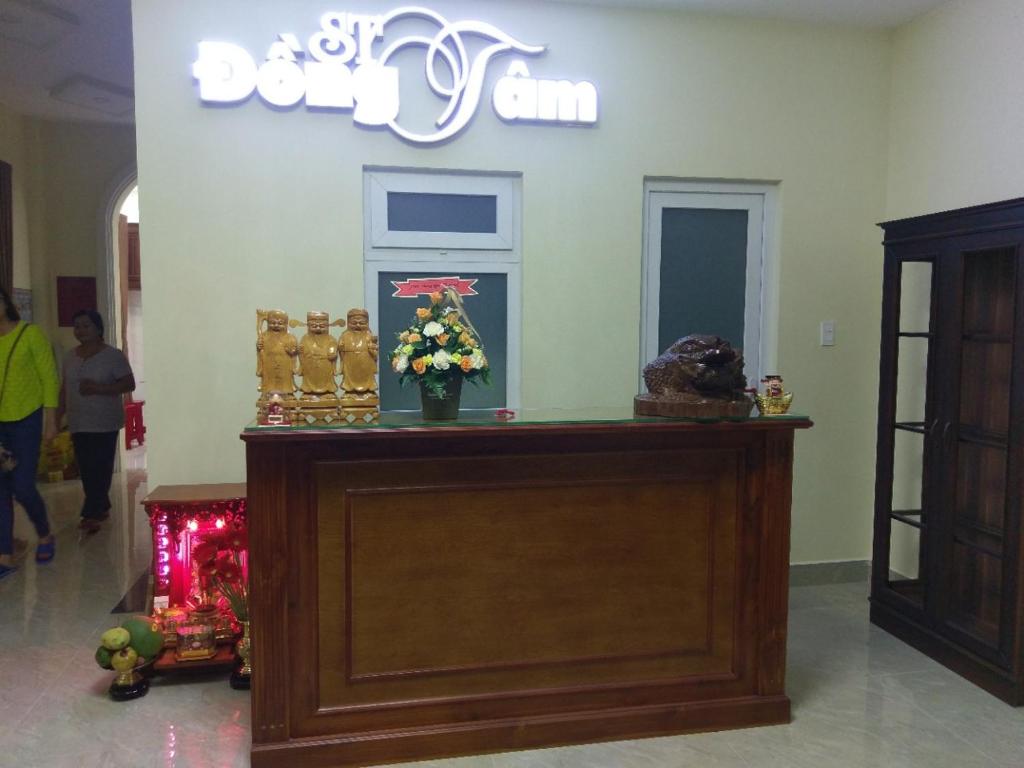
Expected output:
{"points": [[178, 527]]}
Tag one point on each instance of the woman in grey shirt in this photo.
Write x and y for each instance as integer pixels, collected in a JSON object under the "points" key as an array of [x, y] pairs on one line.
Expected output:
{"points": [[96, 376]]}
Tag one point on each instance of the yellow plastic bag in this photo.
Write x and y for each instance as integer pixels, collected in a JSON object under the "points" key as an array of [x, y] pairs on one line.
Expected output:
{"points": [[57, 459]]}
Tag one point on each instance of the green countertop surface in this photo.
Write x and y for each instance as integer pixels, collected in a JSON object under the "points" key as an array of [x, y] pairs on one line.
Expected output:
{"points": [[522, 417]]}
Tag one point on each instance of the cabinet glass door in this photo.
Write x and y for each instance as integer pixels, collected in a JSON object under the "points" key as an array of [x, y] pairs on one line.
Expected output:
{"points": [[976, 440], [905, 431]]}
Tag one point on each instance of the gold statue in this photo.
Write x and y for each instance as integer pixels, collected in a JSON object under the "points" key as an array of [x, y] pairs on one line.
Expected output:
{"points": [[359, 350], [276, 351], [318, 357]]}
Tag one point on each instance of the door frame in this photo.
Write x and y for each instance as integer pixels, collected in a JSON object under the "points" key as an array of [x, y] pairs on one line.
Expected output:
{"points": [[763, 195]]}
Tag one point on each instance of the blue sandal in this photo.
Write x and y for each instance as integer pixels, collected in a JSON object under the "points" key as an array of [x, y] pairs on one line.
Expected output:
{"points": [[46, 552], [7, 570]]}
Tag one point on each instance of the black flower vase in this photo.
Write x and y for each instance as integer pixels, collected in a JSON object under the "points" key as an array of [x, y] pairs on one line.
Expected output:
{"points": [[442, 408]]}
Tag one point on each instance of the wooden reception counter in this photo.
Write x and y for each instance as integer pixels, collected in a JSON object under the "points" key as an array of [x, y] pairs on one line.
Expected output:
{"points": [[479, 586]]}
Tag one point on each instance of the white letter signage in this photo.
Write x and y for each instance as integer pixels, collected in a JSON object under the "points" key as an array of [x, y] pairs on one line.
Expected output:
{"points": [[340, 70]]}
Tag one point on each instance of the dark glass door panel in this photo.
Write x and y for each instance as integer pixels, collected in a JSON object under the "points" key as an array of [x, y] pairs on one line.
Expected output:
{"points": [[977, 593], [977, 441], [907, 510]]}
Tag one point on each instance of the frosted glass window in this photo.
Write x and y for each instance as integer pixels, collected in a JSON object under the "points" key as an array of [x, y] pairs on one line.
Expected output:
{"points": [[430, 212]]}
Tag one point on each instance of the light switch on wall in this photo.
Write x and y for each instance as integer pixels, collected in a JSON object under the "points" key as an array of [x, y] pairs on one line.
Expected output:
{"points": [[828, 333]]}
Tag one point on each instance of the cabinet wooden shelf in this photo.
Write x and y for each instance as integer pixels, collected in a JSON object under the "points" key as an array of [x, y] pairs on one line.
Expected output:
{"points": [[950, 474]]}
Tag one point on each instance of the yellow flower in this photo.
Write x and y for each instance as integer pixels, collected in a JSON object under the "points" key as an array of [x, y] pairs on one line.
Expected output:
{"points": [[428, 359], [456, 358], [407, 349]]}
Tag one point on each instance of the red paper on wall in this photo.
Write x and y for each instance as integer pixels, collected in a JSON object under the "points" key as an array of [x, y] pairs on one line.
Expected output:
{"points": [[73, 294]]}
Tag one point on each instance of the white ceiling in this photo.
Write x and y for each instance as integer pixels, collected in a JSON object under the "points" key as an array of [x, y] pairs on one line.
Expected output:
{"points": [[82, 70], [860, 13], [72, 59]]}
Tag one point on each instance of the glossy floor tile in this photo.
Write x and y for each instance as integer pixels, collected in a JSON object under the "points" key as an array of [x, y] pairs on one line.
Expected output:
{"points": [[860, 697]]}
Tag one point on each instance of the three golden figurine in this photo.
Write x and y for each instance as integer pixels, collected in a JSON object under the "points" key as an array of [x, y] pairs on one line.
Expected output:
{"points": [[337, 376]]}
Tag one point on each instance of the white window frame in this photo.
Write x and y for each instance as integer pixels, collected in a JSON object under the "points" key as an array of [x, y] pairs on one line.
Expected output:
{"points": [[761, 320], [378, 182], [453, 253]]}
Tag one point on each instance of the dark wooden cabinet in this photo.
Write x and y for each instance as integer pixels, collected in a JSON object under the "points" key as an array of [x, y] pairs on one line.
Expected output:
{"points": [[947, 565]]}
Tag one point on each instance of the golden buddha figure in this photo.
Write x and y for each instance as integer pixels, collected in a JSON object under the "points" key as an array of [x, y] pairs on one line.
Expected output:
{"points": [[318, 358], [359, 350], [276, 351]]}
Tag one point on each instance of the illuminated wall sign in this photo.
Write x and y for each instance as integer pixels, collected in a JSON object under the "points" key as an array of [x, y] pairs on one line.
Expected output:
{"points": [[339, 69]]}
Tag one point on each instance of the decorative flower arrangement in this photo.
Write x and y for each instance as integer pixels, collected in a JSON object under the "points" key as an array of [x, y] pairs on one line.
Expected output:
{"points": [[439, 345], [218, 563]]}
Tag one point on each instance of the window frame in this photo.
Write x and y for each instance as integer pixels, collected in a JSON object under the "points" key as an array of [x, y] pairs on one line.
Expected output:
{"points": [[379, 181], [453, 253]]}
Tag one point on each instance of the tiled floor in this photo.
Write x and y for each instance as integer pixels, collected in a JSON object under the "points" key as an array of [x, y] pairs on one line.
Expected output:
{"points": [[860, 697]]}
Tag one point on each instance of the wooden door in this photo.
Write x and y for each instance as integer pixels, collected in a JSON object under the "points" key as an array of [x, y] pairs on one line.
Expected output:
{"points": [[973, 566]]}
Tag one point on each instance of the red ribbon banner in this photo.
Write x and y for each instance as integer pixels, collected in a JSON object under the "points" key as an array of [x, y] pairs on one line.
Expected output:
{"points": [[417, 286]]}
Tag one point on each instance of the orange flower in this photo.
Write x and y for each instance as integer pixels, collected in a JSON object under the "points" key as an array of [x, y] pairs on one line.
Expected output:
{"points": [[466, 364], [403, 337], [451, 318], [414, 337], [435, 297], [423, 313], [464, 338], [442, 339], [418, 365]]}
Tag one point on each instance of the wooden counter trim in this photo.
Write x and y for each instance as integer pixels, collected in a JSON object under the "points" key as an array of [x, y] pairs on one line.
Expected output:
{"points": [[523, 430], [403, 745]]}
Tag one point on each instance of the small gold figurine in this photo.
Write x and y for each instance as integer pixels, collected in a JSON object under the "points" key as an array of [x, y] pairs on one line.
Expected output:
{"points": [[318, 357], [359, 352], [276, 351]]}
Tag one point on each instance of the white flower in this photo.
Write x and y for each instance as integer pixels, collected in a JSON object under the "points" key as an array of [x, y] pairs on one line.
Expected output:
{"points": [[400, 363], [442, 360], [479, 361], [432, 328]]}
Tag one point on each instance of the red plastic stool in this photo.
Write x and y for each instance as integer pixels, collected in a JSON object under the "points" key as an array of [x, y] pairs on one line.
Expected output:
{"points": [[134, 428]]}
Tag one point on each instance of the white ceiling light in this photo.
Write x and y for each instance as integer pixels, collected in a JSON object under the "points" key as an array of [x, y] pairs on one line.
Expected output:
{"points": [[84, 91]]}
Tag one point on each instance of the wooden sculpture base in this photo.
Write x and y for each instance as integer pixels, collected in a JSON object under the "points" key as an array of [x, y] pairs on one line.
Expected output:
{"points": [[358, 415], [683, 407]]}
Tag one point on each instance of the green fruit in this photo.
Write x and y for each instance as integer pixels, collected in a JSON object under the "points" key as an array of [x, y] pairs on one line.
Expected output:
{"points": [[115, 639], [103, 658], [145, 638], [124, 659]]}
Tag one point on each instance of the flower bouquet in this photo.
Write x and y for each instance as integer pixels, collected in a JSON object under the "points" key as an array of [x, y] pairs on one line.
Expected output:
{"points": [[439, 350]]}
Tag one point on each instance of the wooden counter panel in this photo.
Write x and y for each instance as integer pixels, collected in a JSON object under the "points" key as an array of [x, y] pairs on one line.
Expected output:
{"points": [[625, 573]]}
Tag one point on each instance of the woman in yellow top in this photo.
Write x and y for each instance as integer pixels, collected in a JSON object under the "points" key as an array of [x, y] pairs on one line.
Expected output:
{"points": [[28, 407]]}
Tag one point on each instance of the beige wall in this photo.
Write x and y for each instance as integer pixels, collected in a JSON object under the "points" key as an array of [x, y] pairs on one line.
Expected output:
{"points": [[74, 170], [14, 150], [957, 108], [247, 207]]}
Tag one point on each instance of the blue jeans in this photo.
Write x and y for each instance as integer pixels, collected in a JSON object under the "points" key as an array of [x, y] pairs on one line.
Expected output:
{"points": [[22, 438]]}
